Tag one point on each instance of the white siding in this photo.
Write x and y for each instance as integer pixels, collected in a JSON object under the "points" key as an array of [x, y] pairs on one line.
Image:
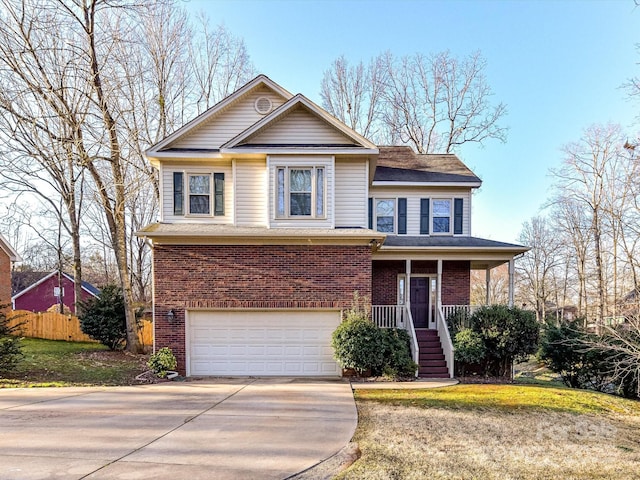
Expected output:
{"points": [[302, 128], [167, 192], [351, 193], [301, 161], [413, 196], [228, 123], [251, 192]]}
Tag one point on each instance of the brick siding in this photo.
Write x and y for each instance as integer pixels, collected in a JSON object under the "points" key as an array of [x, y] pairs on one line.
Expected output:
{"points": [[456, 280], [264, 277]]}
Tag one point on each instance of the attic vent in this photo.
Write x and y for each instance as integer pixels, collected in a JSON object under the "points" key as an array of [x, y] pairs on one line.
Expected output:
{"points": [[263, 105]]}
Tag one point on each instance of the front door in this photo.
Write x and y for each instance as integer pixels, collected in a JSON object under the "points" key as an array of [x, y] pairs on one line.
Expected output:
{"points": [[419, 297]]}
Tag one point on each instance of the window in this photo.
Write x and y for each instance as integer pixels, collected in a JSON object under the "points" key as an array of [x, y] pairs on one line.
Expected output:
{"points": [[301, 192], [441, 214], [385, 215], [402, 285], [199, 194]]}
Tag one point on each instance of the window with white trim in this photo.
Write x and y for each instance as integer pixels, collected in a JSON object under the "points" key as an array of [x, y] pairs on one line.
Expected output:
{"points": [[199, 194], [385, 215], [300, 192], [441, 215], [402, 286]]}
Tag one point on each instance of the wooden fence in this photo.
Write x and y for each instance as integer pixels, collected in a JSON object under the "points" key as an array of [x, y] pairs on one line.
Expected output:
{"points": [[56, 326]]}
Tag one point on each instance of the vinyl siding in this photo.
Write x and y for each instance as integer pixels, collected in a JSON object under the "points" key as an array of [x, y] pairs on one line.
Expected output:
{"points": [[302, 128], [251, 192], [301, 161], [351, 193], [167, 192], [227, 124], [413, 196]]}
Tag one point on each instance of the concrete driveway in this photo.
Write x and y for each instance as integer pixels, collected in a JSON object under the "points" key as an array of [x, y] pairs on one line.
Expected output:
{"points": [[236, 428]]}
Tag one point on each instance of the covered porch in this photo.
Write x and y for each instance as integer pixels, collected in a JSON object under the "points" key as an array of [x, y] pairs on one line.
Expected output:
{"points": [[417, 287]]}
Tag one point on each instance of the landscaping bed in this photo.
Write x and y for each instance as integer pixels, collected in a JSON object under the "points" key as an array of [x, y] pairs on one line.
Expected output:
{"points": [[495, 432], [60, 363]]}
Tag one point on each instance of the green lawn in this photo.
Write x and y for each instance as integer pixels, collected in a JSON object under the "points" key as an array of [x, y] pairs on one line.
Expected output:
{"points": [[59, 363], [524, 432]]}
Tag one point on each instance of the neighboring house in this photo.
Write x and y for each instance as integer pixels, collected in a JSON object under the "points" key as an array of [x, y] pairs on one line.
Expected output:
{"points": [[274, 214], [44, 289], [7, 257]]}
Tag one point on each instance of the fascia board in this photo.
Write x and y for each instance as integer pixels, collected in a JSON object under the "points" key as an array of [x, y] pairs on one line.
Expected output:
{"points": [[426, 184]]}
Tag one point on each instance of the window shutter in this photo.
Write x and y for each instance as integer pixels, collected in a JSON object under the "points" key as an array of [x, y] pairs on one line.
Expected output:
{"points": [[457, 216], [178, 193], [402, 216], [218, 185], [371, 213], [424, 216]]}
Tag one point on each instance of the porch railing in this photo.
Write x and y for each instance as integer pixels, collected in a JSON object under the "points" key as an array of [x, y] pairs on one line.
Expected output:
{"points": [[397, 316], [450, 309], [445, 340], [389, 316]]}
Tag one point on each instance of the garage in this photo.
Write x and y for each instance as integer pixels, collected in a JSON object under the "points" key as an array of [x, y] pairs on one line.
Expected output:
{"points": [[250, 342]]}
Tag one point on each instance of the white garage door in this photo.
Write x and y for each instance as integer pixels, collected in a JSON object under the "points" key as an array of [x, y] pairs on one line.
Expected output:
{"points": [[228, 343]]}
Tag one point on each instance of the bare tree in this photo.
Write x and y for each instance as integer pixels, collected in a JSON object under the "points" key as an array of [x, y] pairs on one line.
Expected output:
{"points": [[435, 103]]}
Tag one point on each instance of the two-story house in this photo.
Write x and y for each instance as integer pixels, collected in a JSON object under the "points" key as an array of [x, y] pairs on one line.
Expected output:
{"points": [[274, 213], [7, 257]]}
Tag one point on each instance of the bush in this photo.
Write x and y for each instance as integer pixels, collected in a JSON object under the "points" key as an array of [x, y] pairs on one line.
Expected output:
{"points": [[358, 344], [564, 349], [10, 345], [495, 336], [397, 361], [103, 317], [162, 361]]}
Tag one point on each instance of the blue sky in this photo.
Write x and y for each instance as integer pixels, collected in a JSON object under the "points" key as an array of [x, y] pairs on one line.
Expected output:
{"points": [[558, 65]]}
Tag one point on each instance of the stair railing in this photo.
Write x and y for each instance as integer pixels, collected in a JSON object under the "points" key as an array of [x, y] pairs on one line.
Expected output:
{"points": [[415, 349], [445, 341]]}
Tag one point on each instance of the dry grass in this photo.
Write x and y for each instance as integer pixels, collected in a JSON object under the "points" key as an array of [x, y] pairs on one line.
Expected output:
{"points": [[411, 439]]}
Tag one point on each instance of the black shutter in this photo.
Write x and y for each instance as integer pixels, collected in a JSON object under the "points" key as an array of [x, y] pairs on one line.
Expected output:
{"points": [[178, 193], [402, 216], [371, 213], [218, 199], [424, 216], [457, 216]]}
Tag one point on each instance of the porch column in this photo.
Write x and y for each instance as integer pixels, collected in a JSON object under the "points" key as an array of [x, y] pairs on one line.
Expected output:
{"points": [[407, 285], [488, 281], [439, 286], [511, 280]]}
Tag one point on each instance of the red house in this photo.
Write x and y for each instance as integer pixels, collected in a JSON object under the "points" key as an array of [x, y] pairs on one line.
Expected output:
{"points": [[45, 293]]}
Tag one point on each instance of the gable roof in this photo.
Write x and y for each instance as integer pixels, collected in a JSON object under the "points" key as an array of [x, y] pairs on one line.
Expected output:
{"points": [[297, 101], [86, 286], [9, 250], [212, 111], [401, 165]]}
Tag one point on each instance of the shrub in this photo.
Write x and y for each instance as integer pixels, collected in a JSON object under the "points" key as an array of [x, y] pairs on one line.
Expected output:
{"points": [[103, 317], [358, 344], [493, 337], [564, 349], [397, 361], [10, 346], [162, 362], [458, 320]]}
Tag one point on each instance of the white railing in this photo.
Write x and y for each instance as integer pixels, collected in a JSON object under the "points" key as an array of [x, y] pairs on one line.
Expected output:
{"points": [[397, 316], [450, 309], [389, 316], [445, 340]]}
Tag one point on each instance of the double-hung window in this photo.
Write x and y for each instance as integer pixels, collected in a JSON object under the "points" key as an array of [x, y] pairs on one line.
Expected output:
{"points": [[385, 215], [441, 215], [199, 194], [300, 192]]}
